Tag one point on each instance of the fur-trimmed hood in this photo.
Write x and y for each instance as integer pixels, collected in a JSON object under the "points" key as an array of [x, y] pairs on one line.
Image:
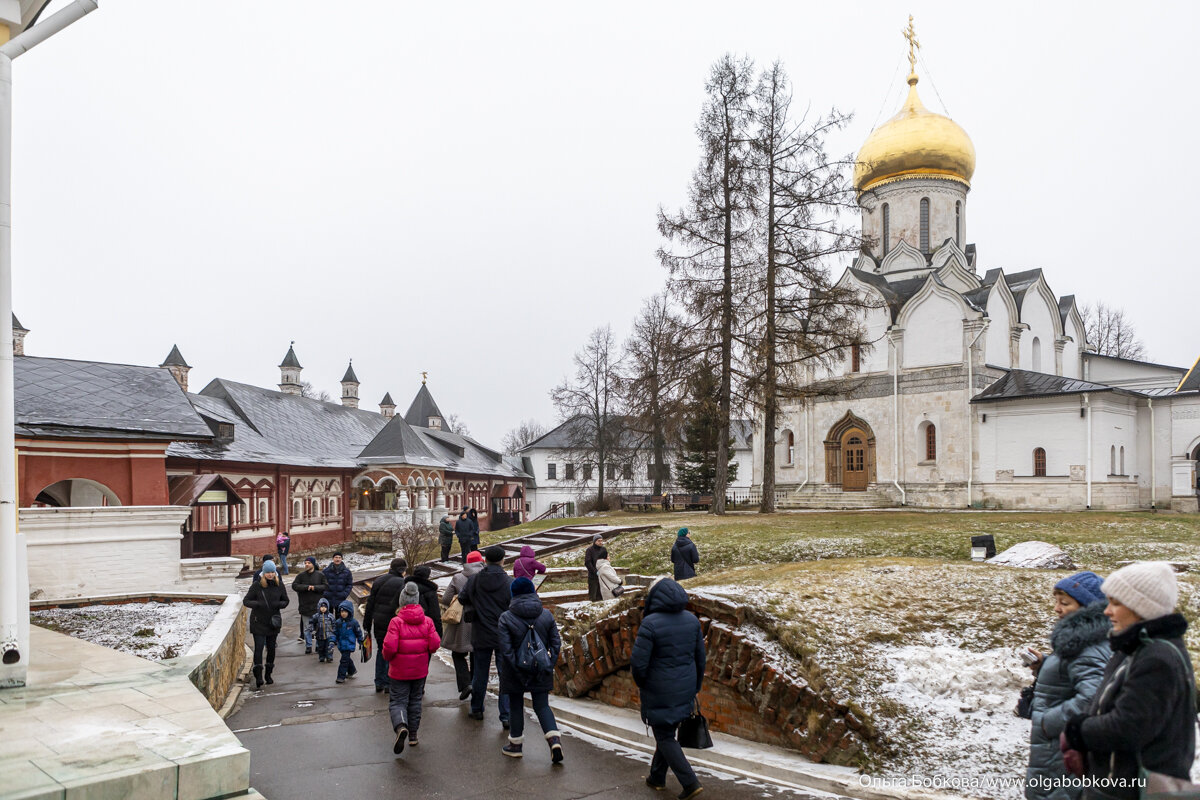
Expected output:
{"points": [[1080, 629]]}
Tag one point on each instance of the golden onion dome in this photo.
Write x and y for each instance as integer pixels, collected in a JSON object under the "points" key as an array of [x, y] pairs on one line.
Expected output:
{"points": [[915, 142]]}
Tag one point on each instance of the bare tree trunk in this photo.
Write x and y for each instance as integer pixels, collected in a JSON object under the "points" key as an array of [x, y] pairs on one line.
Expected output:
{"points": [[721, 479], [771, 383]]}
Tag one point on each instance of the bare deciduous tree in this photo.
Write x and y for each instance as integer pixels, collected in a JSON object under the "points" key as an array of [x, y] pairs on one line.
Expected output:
{"points": [[416, 544], [307, 390], [456, 425], [1111, 332], [589, 402], [712, 234], [529, 430], [656, 376]]}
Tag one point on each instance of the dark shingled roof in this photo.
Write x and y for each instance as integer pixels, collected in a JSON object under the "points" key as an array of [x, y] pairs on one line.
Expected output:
{"points": [[387, 400], [174, 358], [290, 359], [350, 377], [422, 408], [895, 293], [1064, 308], [59, 397], [398, 443], [563, 436], [17, 326], [1023, 383]]}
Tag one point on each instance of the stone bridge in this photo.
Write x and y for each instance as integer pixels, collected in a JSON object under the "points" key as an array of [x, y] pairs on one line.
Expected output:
{"points": [[752, 688]]}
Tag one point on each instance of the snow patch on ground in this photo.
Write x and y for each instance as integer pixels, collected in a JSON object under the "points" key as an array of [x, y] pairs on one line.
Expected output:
{"points": [[1033, 555], [154, 631]]}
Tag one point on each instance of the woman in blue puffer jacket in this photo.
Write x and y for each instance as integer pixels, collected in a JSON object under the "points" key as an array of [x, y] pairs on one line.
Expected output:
{"points": [[1067, 679], [668, 668]]}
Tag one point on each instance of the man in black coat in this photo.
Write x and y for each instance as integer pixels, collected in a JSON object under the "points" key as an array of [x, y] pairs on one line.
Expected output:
{"points": [[684, 556], [429, 601], [465, 533], [668, 667], [485, 597], [594, 553], [340, 579], [446, 536], [382, 603], [309, 586]]}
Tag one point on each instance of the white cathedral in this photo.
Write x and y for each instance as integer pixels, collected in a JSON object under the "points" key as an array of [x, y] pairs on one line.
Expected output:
{"points": [[977, 390]]}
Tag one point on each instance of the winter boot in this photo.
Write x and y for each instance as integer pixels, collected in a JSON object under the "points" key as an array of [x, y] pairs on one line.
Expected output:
{"points": [[267, 674], [258, 676], [690, 791], [308, 651], [513, 748], [554, 739], [401, 739]]}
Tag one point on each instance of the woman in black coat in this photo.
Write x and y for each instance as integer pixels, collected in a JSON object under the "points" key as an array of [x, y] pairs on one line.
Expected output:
{"points": [[429, 601], [1144, 713], [265, 598], [525, 613], [668, 668]]}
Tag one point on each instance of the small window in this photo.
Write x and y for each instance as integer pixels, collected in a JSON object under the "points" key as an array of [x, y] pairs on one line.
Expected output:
{"points": [[627, 472], [924, 224], [887, 228], [297, 509], [855, 357], [1122, 460], [610, 472], [264, 514], [791, 447], [587, 472], [958, 222], [333, 507], [931, 442], [1112, 460], [552, 471], [1039, 463], [316, 508], [570, 472], [1037, 354]]}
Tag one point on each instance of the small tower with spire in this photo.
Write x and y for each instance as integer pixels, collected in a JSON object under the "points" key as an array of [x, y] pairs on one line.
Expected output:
{"points": [[178, 368], [350, 387], [289, 372], [387, 406], [19, 332]]}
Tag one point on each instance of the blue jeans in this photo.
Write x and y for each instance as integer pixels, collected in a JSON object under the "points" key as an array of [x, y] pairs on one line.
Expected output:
{"points": [[346, 666], [283, 564], [541, 707], [479, 681], [668, 753], [306, 630]]}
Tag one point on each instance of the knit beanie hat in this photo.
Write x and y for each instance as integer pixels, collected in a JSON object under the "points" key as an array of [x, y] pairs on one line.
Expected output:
{"points": [[398, 566], [1083, 587], [1147, 587], [682, 532], [423, 572], [597, 538], [313, 560], [268, 567], [474, 557], [494, 554], [521, 586], [410, 594]]}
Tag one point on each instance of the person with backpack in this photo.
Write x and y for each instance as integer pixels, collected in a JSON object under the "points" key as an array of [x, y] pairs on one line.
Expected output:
{"points": [[266, 598], [529, 648], [410, 642], [484, 598], [382, 604], [668, 667], [1143, 716], [684, 556], [457, 637]]}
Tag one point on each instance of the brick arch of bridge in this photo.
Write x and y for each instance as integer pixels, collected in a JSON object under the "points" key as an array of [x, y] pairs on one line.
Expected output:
{"points": [[749, 690]]}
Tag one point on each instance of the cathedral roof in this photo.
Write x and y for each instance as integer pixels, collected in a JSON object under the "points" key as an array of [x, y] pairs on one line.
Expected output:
{"points": [[895, 293], [290, 359], [398, 443], [1020, 383], [423, 407], [915, 143], [350, 377]]}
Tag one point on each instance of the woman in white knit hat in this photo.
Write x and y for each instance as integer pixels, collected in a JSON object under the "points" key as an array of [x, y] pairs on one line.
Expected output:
{"points": [[1145, 709]]}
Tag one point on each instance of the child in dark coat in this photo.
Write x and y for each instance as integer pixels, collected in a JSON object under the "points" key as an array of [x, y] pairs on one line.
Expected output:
{"points": [[322, 630], [349, 635]]}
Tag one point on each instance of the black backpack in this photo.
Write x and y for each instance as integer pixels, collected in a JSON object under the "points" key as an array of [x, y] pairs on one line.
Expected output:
{"points": [[532, 655]]}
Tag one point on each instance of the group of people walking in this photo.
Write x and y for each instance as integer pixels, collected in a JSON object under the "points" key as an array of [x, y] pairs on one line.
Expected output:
{"points": [[1113, 704], [465, 529]]}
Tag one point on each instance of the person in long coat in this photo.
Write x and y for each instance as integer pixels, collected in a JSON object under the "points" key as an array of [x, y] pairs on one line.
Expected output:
{"points": [[1144, 713], [265, 598], [457, 638], [446, 536], [593, 554], [1067, 679], [610, 581], [340, 579], [428, 592], [485, 598], [382, 603], [525, 613], [684, 556], [526, 564], [668, 667], [465, 534], [309, 586]]}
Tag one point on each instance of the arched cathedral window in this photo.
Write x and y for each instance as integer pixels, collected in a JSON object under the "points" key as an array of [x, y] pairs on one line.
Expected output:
{"points": [[1037, 354], [931, 443], [1039, 463], [924, 224], [887, 228]]}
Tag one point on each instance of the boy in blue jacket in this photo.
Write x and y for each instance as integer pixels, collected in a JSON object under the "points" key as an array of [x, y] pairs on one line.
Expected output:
{"points": [[322, 629], [349, 635]]}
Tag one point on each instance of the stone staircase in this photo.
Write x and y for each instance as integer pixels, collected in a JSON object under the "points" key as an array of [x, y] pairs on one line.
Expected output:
{"points": [[818, 496]]}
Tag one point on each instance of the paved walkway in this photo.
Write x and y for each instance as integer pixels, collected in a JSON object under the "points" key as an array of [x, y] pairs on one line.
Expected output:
{"points": [[311, 738]]}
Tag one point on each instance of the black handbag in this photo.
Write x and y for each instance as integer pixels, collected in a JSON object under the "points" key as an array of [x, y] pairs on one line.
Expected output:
{"points": [[276, 620], [693, 731]]}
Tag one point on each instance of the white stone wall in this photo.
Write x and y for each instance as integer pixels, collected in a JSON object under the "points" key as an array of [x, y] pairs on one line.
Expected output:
{"points": [[1131, 374], [1036, 313], [933, 333], [997, 341], [904, 200], [85, 552]]}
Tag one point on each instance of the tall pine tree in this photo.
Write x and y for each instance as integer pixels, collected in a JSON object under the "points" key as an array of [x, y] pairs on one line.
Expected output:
{"points": [[701, 452]]}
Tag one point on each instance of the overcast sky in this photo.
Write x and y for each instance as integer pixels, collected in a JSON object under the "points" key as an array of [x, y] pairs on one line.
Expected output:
{"points": [[470, 188]]}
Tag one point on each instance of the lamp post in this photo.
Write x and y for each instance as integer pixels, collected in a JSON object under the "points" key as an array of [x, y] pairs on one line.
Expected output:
{"points": [[14, 576]]}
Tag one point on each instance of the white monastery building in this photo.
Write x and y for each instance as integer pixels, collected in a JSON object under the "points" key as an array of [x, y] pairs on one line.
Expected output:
{"points": [[973, 387]]}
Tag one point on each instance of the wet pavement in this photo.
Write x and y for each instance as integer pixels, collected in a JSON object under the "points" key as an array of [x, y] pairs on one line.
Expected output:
{"points": [[311, 739]]}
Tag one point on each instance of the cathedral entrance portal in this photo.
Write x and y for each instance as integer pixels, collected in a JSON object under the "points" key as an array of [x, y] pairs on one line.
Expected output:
{"points": [[850, 454]]}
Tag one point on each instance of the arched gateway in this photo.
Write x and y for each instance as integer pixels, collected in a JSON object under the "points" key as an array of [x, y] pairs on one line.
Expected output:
{"points": [[850, 454]]}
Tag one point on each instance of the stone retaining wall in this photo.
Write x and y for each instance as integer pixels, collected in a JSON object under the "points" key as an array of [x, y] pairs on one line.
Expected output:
{"points": [[215, 660], [751, 689]]}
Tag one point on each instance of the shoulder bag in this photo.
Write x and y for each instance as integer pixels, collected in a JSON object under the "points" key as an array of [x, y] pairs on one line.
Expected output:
{"points": [[693, 731], [276, 620], [453, 612]]}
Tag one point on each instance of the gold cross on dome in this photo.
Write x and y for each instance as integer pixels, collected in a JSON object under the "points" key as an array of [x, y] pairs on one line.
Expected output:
{"points": [[424, 377], [914, 44]]}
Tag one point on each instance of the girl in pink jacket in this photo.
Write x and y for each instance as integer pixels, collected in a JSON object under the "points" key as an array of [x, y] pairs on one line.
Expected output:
{"points": [[410, 642]]}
